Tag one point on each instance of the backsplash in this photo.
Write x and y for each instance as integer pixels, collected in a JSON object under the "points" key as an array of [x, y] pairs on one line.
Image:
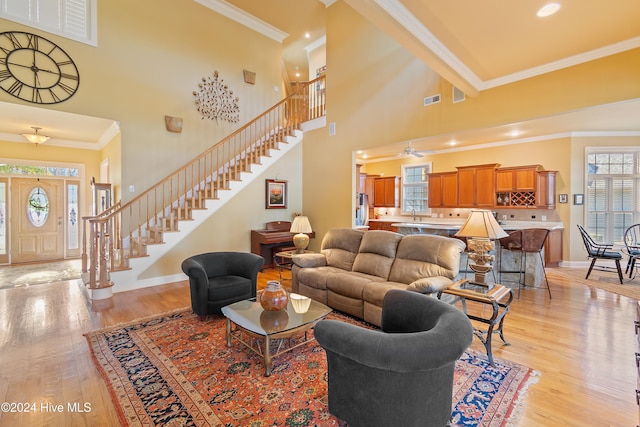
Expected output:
{"points": [[547, 215]]}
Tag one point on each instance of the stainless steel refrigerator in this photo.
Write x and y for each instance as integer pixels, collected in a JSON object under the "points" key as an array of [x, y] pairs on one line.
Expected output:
{"points": [[362, 212]]}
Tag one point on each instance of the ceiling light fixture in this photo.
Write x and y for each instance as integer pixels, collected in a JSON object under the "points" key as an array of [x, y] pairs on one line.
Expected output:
{"points": [[548, 9], [307, 35], [35, 137]]}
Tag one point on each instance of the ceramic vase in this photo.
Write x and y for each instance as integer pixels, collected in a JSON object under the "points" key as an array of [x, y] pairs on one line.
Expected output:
{"points": [[274, 297]]}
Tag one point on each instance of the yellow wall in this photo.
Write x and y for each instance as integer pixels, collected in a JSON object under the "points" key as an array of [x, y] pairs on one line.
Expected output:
{"points": [[375, 91], [229, 229], [150, 58]]}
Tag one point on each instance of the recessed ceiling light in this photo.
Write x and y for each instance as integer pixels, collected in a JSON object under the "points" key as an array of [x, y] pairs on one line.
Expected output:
{"points": [[452, 143], [515, 133], [548, 9], [307, 35], [297, 74]]}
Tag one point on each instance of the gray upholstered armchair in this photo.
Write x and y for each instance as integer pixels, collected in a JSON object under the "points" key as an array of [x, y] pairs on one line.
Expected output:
{"points": [[401, 375], [217, 279]]}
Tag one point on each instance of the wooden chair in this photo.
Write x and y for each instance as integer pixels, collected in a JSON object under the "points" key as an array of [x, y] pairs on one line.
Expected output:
{"points": [[632, 248], [600, 251]]}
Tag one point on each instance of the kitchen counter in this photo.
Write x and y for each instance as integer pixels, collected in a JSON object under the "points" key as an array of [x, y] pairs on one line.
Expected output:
{"points": [[454, 225]]}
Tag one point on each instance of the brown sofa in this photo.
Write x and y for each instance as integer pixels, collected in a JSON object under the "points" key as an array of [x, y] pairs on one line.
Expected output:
{"points": [[355, 269]]}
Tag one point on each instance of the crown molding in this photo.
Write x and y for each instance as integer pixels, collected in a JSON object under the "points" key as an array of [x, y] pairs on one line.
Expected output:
{"points": [[407, 20], [240, 16], [570, 61], [316, 44]]}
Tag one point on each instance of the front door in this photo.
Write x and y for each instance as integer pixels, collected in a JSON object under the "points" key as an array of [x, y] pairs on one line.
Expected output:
{"points": [[37, 211]]}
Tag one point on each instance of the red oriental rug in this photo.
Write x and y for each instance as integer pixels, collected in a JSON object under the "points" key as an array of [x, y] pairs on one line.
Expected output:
{"points": [[176, 370]]}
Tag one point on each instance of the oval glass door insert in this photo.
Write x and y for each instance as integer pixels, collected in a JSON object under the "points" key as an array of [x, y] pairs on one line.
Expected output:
{"points": [[38, 207]]}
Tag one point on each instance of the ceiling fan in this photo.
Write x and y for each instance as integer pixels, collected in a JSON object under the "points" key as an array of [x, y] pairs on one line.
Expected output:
{"points": [[410, 150]]}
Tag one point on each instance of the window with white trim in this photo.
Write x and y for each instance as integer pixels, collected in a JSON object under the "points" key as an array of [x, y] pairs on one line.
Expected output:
{"points": [[73, 19], [612, 192], [415, 188]]}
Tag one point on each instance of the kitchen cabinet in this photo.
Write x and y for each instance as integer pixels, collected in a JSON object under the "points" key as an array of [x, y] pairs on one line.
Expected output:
{"points": [[382, 225], [477, 186], [546, 189], [553, 248], [386, 192], [516, 179], [443, 190], [525, 187]]}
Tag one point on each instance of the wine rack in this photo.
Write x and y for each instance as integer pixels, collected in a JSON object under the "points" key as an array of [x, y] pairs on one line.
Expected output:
{"points": [[517, 199]]}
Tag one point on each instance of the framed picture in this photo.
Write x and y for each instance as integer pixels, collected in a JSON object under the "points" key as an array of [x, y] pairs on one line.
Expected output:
{"points": [[276, 194], [578, 199], [563, 198]]}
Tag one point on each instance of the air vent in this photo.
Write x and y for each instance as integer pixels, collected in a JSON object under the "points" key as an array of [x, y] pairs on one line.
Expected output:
{"points": [[433, 99], [458, 95]]}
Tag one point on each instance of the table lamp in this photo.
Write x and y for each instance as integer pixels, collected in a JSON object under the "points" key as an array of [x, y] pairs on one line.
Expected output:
{"points": [[301, 226], [480, 229]]}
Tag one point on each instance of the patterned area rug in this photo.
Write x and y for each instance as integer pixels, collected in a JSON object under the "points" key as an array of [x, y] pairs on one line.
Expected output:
{"points": [[176, 370]]}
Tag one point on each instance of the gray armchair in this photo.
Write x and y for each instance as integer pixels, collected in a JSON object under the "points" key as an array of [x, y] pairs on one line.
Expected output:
{"points": [[401, 375], [217, 279]]}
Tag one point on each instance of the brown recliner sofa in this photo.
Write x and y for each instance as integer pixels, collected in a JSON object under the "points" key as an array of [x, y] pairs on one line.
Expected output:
{"points": [[355, 269]]}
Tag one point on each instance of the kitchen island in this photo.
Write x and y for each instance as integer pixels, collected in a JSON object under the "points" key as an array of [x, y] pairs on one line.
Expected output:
{"points": [[507, 263]]}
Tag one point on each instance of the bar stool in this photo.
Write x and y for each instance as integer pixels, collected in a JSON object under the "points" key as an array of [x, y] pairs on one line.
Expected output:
{"points": [[530, 240]]}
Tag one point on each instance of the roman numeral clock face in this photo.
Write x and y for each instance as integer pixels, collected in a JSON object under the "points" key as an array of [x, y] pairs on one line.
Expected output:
{"points": [[35, 69]]}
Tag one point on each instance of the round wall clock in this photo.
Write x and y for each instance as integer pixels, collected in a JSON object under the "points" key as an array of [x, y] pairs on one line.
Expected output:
{"points": [[35, 69]]}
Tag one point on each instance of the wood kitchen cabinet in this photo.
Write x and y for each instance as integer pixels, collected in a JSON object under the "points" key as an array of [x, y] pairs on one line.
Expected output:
{"points": [[525, 187], [477, 186], [382, 225], [443, 190], [386, 192], [546, 189], [553, 248], [516, 179]]}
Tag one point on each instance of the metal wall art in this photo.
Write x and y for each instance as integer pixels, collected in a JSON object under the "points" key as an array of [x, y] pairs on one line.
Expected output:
{"points": [[215, 100]]}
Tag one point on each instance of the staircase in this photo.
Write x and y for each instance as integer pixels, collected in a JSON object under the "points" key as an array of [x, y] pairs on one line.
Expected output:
{"points": [[126, 239]]}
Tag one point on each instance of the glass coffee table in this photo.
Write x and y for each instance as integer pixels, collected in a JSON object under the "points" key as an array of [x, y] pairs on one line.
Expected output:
{"points": [[271, 333]]}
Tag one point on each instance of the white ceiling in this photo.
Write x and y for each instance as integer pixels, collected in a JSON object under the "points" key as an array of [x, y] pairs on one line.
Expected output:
{"points": [[473, 44]]}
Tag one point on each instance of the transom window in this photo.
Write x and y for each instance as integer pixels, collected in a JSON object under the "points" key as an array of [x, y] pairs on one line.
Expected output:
{"points": [[73, 19], [612, 192], [415, 188]]}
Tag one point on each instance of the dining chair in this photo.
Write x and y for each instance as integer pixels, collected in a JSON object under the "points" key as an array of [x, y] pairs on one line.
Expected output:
{"points": [[600, 251], [632, 248]]}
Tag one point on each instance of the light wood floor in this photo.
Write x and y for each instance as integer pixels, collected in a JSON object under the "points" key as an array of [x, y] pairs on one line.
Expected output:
{"points": [[582, 342]]}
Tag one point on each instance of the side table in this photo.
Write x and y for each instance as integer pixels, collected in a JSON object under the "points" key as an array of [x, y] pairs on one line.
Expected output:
{"points": [[497, 296], [284, 261]]}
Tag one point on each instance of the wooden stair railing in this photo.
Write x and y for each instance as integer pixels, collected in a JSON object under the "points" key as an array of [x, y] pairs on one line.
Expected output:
{"points": [[124, 231]]}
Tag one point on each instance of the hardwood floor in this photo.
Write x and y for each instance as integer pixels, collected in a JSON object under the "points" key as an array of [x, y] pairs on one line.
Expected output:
{"points": [[582, 342]]}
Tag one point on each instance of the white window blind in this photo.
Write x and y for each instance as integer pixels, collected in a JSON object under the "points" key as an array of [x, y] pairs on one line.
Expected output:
{"points": [[73, 19], [612, 192]]}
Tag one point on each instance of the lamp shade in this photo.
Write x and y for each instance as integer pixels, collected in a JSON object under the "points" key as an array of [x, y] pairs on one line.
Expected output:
{"points": [[481, 223], [301, 225], [35, 137]]}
